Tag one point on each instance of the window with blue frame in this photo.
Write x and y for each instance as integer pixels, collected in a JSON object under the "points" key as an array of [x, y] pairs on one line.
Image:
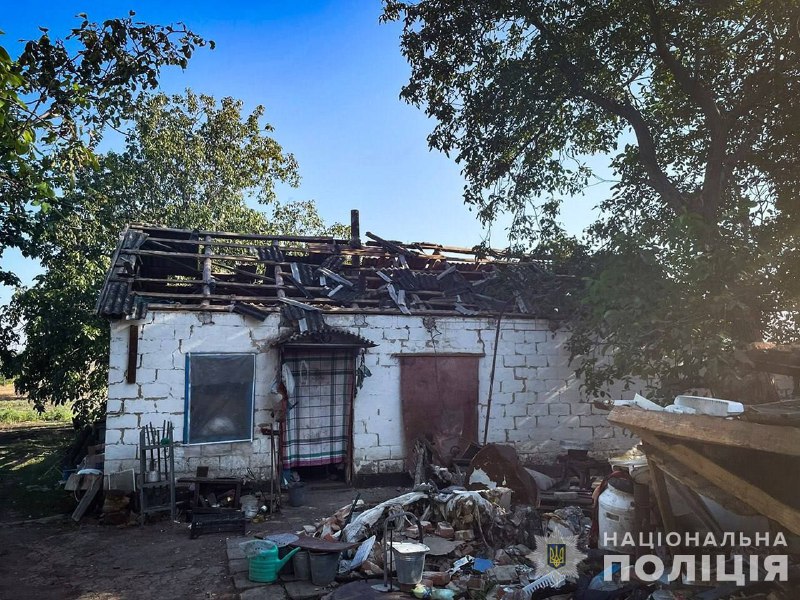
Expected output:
{"points": [[219, 398]]}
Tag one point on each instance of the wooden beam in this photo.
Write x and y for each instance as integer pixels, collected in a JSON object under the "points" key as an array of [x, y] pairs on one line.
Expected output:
{"points": [[83, 505], [133, 353], [662, 497], [711, 430], [677, 471], [757, 498]]}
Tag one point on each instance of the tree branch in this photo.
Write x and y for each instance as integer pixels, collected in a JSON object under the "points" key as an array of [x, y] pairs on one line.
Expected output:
{"points": [[711, 193], [625, 110]]}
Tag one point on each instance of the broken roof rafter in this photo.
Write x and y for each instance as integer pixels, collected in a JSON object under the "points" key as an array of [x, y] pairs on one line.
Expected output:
{"points": [[201, 269]]}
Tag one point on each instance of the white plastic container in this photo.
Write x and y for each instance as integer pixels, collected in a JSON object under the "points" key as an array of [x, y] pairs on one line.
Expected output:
{"points": [[716, 407], [615, 516]]}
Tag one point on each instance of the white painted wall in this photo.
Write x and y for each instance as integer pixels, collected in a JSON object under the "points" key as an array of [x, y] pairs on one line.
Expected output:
{"points": [[536, 400]]}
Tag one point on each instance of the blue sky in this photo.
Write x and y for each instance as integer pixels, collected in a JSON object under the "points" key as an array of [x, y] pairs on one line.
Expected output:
{"points": [[329, 76]]}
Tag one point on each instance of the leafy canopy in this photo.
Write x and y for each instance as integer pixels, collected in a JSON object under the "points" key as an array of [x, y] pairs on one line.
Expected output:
{"points": [[694, 105], [58, 98], [189, 161]]}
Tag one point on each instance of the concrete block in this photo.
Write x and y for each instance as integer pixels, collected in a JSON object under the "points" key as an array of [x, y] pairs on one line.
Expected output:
{"points": [[140, 406], [557, 408], [187, 451], [119, 452], [170, 406], [130, 437], [547, 422], [116, 375], [535, 336], [601, 432], [114, 406], [515, 409], [594, 421], [518, 435], [378, 453], [155, 390], [573, 433], [525, 422], [217, 450], [533, 360], [175, 378], [536, 409], [391, 466], [581, 408], [514, 360], [126, 421], [365, 440], [123, 390], [234, 465], [497, 422], [511, 335], [512, 385]]}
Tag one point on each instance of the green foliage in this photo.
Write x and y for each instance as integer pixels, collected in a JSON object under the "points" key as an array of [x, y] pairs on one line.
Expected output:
{"points": [[189, 162], [694, 105], [57, 99]]}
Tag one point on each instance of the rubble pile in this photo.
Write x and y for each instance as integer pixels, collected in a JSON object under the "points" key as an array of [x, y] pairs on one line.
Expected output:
{"points": [[493, 543]]}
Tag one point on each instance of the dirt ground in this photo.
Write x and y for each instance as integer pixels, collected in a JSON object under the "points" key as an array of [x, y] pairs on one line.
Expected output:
{"points": [[89, 561]]}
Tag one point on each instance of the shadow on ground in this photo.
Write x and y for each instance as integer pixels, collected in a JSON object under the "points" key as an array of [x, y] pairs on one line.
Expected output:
{"points": [[30, 468]]}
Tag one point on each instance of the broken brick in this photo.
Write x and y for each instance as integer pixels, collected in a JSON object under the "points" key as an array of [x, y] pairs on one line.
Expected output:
{"points": [[437, 578], [444, 530], [464, 535]]}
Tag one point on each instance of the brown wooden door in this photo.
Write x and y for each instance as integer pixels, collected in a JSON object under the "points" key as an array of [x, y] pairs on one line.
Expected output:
{"points": [[439, 398]]}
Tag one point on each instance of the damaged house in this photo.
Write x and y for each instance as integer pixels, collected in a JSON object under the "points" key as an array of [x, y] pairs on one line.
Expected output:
{"points": [[334, 353]]}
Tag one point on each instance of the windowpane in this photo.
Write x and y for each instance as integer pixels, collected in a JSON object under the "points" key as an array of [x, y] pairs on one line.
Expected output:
{"points": [[220, 397]]}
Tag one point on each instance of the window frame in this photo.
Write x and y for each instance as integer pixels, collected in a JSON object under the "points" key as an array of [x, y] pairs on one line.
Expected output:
{"points": [[188, 398]]}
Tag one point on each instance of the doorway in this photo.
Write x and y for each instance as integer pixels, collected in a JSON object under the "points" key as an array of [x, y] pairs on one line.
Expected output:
{"points": [[439, 398], [318, 429]]}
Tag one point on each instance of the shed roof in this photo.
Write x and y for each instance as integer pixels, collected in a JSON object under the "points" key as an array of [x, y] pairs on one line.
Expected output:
{"points": [[307, 276]]}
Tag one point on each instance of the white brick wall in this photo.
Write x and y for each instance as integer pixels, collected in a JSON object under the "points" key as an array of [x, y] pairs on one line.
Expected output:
{"points": [[536, 401]]}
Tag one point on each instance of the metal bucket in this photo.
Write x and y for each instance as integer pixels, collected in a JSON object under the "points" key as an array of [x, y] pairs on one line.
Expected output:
{"points": [[297, 494], [409, 561], [324, 566], [302, 570]]}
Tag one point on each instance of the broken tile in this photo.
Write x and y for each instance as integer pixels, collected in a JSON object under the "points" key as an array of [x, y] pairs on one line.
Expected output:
{"points": [[504, 574], [304, 590], [267, 592], [242, 582], [238, 565]]}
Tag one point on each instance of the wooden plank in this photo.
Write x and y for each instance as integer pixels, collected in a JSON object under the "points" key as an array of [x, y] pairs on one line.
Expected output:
{"points": [[754, 496], [133, 353], [698, 508], [711, 430], [677, 471], [662, 497], [83, 505]]}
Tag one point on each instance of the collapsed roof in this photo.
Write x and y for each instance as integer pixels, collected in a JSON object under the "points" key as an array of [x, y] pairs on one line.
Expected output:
{"points": [[306, 276]]}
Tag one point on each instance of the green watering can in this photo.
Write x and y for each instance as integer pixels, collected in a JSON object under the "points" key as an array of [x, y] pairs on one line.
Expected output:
{"points": [[265, 565]]}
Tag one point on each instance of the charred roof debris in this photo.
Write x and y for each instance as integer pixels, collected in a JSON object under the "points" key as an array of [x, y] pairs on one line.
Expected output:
{"points": [[304, 277]]}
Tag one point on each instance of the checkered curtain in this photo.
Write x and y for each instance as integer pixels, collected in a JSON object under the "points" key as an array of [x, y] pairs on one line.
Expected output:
{"points": [[318, 416]]}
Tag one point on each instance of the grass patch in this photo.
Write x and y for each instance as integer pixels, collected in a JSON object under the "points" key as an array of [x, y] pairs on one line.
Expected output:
{"points": [[15, 412], [32, 445], [30, 468]]}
